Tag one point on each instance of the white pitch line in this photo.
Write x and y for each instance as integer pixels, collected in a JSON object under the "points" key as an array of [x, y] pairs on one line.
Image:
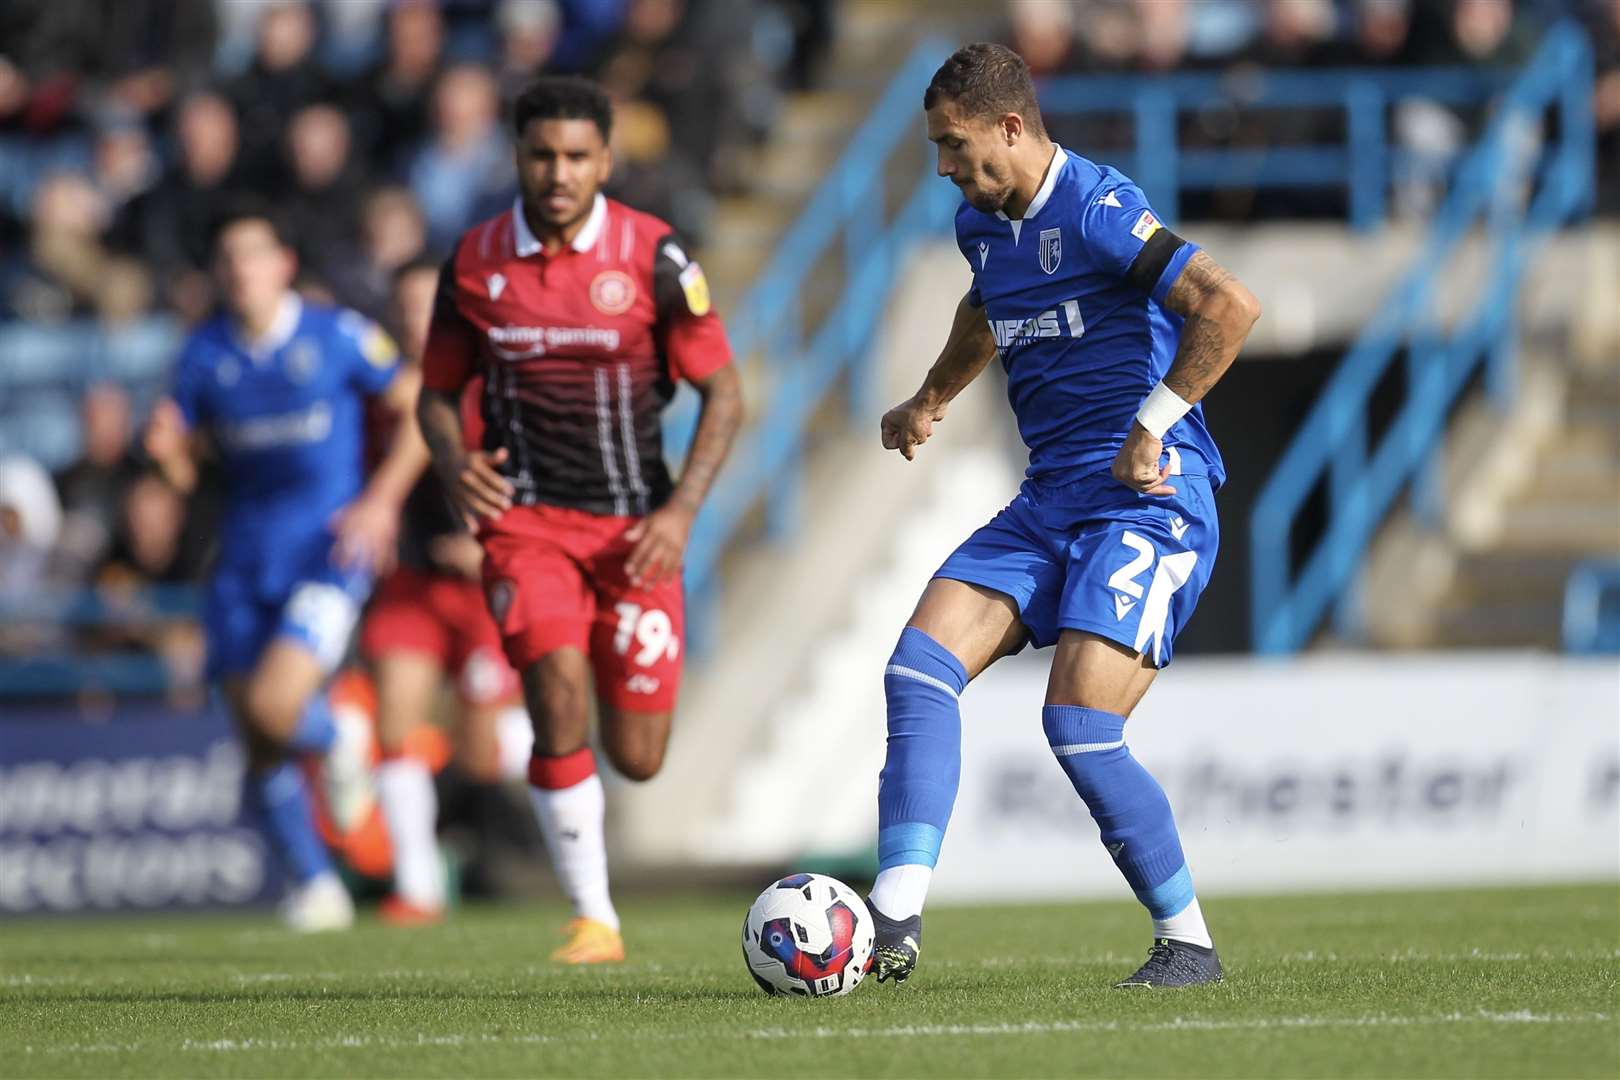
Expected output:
{"points": [[908, 1031]]}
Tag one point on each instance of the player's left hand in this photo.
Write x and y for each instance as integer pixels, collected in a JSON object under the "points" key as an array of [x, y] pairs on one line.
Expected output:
{"points": [[660, 544], [1137, 463], [367, 532]]}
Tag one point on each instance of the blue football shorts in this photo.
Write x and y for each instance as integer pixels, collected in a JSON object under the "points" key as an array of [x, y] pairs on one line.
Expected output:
{"points": [[317, 605], [1093, 555]]}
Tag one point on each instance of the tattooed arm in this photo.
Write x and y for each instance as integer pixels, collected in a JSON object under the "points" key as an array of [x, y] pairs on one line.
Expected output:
{"points": [[968, 351], [660, 537], [1217, 313]]}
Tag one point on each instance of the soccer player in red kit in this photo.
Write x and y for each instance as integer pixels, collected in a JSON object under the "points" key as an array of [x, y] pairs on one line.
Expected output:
{"points": [[427, 619], [581, 314]]}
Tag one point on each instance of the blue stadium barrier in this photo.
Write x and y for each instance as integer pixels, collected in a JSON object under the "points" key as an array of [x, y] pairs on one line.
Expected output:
{"points": [[1364, 165], [1591, 621], [1519, 192]]}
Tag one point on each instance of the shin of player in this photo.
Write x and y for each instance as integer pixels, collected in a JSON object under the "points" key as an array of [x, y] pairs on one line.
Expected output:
{"points": [[276, 387], [1111, 329], [582, 313]]}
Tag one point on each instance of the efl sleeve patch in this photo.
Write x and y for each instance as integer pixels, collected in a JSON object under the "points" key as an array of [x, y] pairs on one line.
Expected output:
{"points": [[378, 348], [696, 288], [1145, 226]]}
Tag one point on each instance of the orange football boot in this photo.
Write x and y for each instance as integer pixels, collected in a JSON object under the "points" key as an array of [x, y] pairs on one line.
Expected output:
{"points": [[397, 911], [590, 942]]}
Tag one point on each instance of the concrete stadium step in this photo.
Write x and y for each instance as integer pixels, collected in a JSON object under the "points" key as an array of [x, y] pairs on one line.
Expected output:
{"points": [[1500, 626], [1558, 523]]}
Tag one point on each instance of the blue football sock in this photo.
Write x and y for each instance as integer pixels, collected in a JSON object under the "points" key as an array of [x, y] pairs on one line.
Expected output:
{"points": [[917, 787], [1128, 805], [289, 819], [316, 726]]}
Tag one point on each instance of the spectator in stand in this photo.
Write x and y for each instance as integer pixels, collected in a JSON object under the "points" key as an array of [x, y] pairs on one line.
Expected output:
{"points": [[65, 269], [391, 108], [393, 234], [465, 169], [172, 221], [648, 177], [1382, 32], [156, 544], [141, 51], [1603, 23], [30, 519], [92, 489], [1295, 33], [283, 79], [530, 31], [1042, 33], [1166, 33], [321, 206]]}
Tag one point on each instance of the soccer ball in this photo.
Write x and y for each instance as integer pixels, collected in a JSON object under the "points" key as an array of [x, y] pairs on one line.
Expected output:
{"points": [[810, 935]]}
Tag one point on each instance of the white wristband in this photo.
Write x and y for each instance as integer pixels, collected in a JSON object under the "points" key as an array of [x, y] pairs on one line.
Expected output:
{"points": [[1161, 409]]}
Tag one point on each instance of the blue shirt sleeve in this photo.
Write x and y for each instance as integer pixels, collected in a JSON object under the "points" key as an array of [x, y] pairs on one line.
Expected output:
{"points": [[1115, 225], [190, 385], [373, 357]]}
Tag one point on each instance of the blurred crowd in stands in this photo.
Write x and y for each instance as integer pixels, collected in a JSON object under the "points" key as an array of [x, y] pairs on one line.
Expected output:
{"points": [[377, 127], [1235, 37]]}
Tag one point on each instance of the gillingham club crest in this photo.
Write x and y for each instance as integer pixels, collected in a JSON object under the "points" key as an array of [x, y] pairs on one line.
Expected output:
{"points": [[1051, 249]]}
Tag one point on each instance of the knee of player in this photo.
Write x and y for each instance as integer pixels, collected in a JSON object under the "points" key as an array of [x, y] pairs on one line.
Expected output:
{"points": [[272, 708], [639, 765]]}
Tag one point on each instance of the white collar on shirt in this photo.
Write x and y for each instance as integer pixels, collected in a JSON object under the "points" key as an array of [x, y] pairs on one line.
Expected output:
{"points": [[281, 330], [527, 243], [1053, 168]]}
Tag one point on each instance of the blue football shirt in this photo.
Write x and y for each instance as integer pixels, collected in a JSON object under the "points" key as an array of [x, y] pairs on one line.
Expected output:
{"points": [[286, 415], [1081, 344]]}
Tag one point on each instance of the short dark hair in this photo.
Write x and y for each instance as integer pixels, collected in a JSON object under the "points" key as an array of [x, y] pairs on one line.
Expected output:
{"points": [[247, 208], [987, 80], [563, 97]]}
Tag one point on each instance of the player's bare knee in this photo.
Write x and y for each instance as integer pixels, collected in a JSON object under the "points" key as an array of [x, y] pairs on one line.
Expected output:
{"points": [[271, 707], [640, 763]]}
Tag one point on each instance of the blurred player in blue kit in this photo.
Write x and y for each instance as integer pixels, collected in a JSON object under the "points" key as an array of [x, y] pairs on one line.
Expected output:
{"points": [[276, 388], [1111, 329]]}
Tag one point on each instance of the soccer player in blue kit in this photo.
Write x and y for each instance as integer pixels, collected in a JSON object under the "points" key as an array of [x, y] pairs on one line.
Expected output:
{"points": [[276, 388], [1111, 329]]}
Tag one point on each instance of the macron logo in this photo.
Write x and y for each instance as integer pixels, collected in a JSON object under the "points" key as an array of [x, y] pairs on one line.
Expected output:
{"points": [[1122, 607], [1178, 528], [497, 284], [984, 254], [1110, 199]]}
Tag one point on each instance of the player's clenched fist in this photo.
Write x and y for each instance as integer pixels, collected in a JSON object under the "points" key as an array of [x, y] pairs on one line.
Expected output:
{"points": [[909, 424], [479, 488], [1137, 463]]}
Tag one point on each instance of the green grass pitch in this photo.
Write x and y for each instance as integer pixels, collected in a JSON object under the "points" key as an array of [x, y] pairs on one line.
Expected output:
{"points": [[1521, 982]]}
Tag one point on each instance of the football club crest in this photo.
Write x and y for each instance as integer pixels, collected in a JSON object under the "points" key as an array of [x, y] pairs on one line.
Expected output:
{"points": [[501, 595], [302, 360], [612, 292], [1051, 249]]}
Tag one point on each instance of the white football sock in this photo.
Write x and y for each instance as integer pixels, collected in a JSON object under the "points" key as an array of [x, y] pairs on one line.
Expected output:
{"points": [[1187, 925], [571, 821], [410, 807], [899, 891]]}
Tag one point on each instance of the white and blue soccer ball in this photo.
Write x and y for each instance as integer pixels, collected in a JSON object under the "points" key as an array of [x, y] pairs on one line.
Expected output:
{"points": [[808, 935]]}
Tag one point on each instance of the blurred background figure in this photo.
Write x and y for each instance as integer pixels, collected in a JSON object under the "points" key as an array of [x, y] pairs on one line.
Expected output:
{"points": [[463, 169]]}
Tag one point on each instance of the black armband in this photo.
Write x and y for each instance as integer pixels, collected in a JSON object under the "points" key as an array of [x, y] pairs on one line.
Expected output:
{"points": [[1155, 255]]}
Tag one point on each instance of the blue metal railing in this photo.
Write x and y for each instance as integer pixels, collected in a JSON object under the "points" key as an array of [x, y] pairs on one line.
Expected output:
{"points": [[848, 209], [1519, 193], [1592, 608], [1364, 164]]}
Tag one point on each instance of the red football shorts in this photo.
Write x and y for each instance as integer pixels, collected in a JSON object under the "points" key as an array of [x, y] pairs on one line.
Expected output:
{"points": [[444, 617], [555, 577]]}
